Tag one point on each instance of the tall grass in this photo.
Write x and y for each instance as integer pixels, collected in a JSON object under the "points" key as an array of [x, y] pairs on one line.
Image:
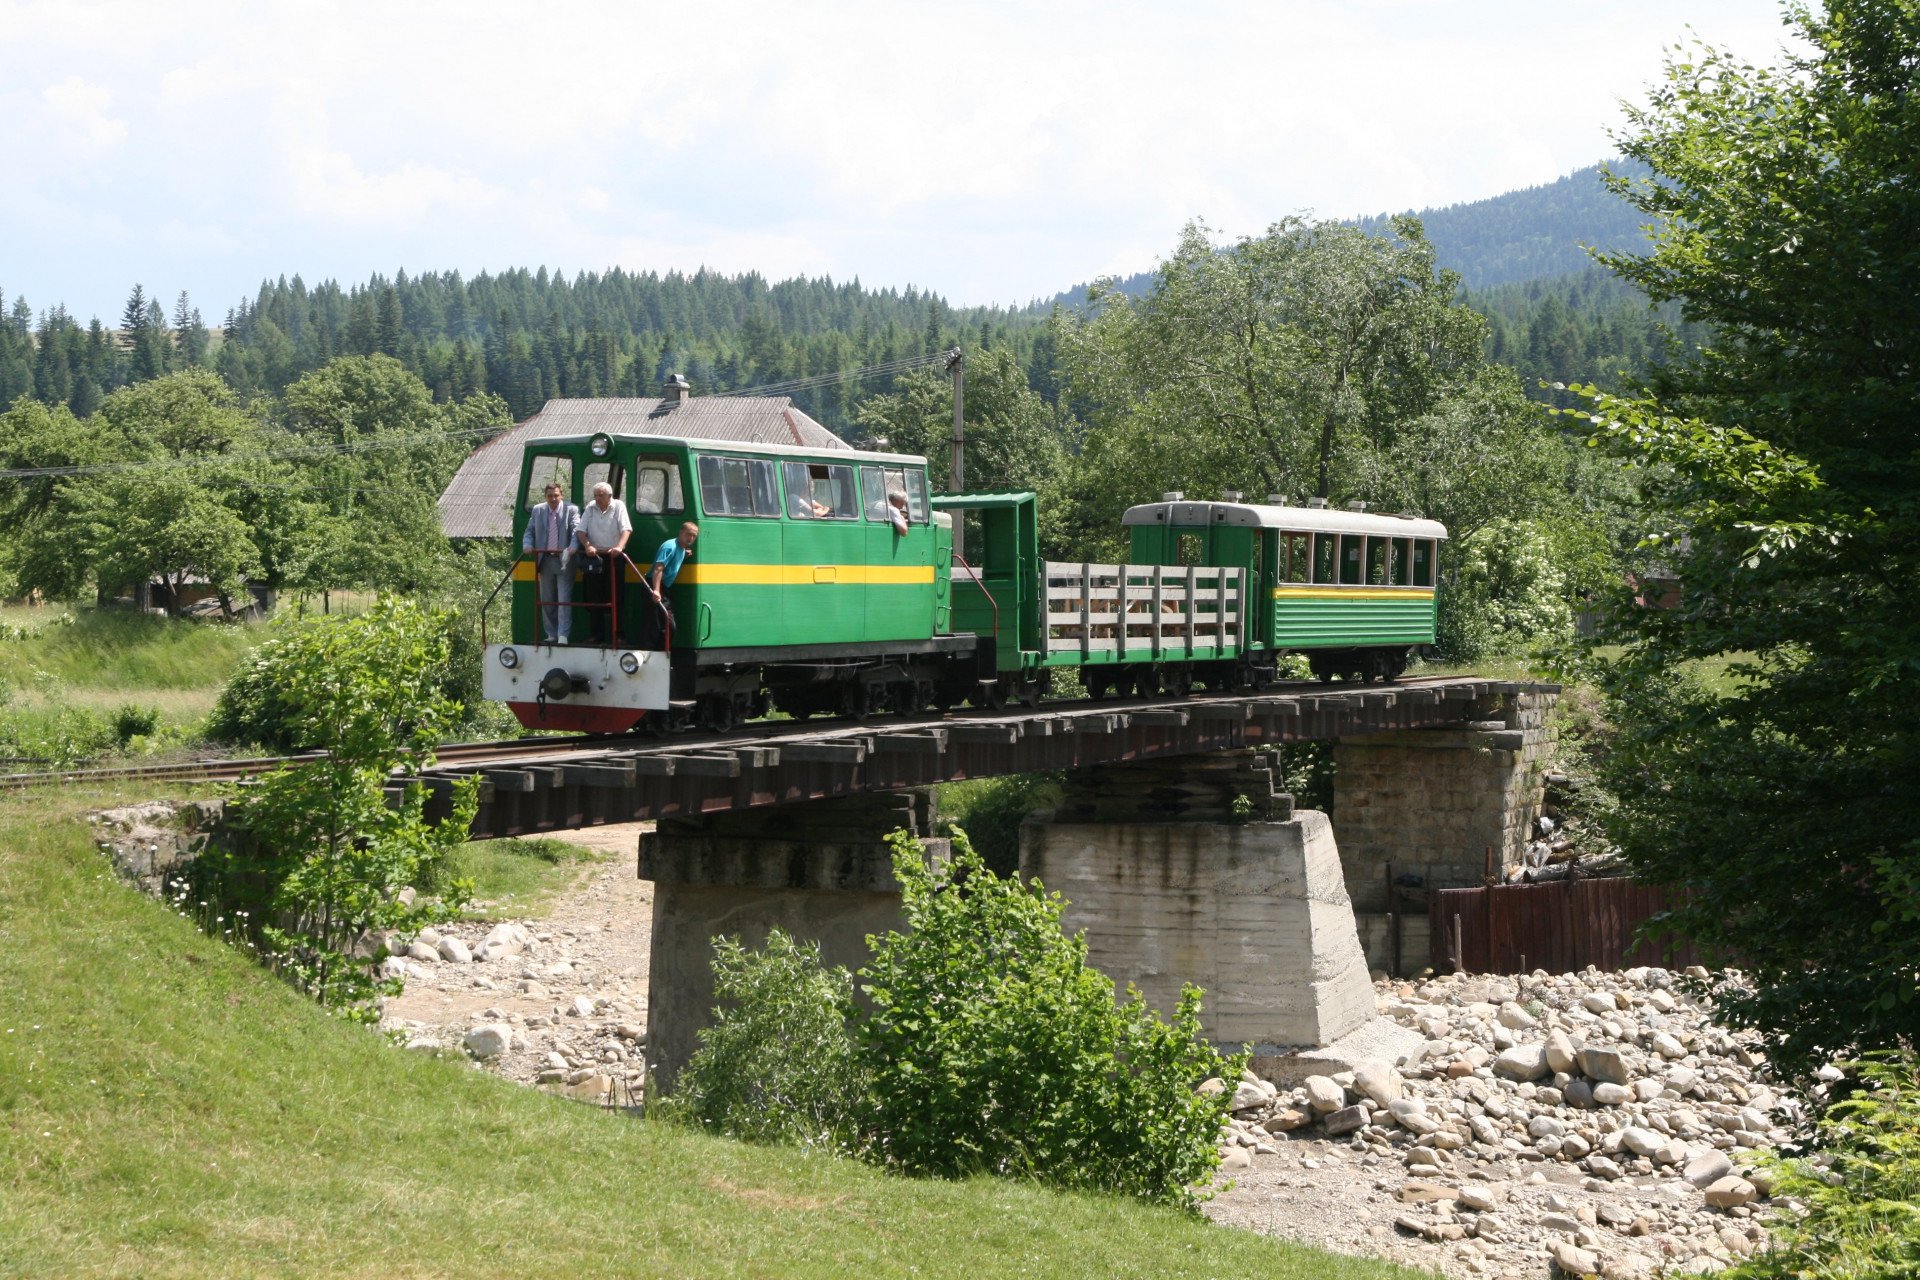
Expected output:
{"points": [[109, 649]]}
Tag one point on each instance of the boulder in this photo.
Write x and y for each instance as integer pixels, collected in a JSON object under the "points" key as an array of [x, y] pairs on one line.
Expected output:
{"points": [[1522, 1062], [1642, 1142], [489, 1040], [454, 951], [1731, 1192], [1608, 1066], [1246, 1097], [1611, 1095], [1346, 1120], [1573, 1260], [1515, 1018], [1323, 1095], [1379, 1083]]}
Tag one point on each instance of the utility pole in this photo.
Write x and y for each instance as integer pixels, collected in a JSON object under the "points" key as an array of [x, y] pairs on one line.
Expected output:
{"points": [[957, 478]]}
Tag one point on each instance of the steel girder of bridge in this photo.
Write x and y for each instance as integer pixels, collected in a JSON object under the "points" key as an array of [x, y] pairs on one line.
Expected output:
{"points": [[790, 762]]}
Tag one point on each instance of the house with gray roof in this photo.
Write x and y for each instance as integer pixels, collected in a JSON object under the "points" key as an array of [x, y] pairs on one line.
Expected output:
{"points": [[479, 502]]}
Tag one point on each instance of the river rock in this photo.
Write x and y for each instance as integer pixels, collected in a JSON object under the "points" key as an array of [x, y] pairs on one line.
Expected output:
{"points": [[1523, 1062], [1668, 1046], [1573, 1260], [425, 954], [1642, 1142], [1413, 1116], [1611, 1095], [1515, 1018], [1378, 1082], [1248, 1097], [1606, 1065], [454, 951], [1561, 1056], [1323, 1095], [1346, 1120], [489, 1040], [1731, 1192]]}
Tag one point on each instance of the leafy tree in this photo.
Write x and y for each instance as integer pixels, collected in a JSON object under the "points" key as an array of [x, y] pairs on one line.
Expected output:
{"points": [[1782, 466], [1015, 440], [325, 855]]}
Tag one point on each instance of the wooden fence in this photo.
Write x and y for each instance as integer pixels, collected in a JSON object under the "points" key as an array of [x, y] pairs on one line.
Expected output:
{"points": [[1115, 610], [1560, 926]]}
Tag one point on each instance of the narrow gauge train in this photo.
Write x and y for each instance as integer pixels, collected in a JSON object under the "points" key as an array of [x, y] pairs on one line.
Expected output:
{"points": [[802, 595]]}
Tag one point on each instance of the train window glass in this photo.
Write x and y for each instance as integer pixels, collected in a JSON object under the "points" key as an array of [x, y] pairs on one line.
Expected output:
{"points": [[1298, 566], [546, 469], [1324, 562], [917, 496], [877, 482], [819, 492], [1377, 561], [1187, 551], [607, 473], [738, 487], [1397, 563], [656, 486], [1423, 563]]}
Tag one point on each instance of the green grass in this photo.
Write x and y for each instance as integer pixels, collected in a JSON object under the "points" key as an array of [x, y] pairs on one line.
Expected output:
{"points": [[518, 877], [168, 1109], [108, 649]]}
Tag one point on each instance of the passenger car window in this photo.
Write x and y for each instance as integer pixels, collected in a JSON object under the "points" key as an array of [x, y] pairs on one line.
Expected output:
{"points": [[738, 487], [656, 486], [817, 491]]}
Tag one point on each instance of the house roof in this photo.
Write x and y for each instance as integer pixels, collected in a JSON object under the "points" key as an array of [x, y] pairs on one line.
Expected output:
{"points": [[479, 501]]}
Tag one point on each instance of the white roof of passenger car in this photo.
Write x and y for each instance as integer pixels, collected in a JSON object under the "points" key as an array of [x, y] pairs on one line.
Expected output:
{"points": [[1186, 515]]}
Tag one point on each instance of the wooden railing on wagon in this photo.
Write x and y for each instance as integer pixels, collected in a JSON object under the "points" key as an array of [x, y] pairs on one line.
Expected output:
{"points": [[1109, 610]]}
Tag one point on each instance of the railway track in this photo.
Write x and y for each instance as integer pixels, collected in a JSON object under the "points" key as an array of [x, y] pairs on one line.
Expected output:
{"points": [[457, 756]]}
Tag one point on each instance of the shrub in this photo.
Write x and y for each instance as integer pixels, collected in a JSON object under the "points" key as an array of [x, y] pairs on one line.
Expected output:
{"points": [[780, 1064], [994, 1047], [134, 721], [1507, 593], [991, 810], [325, 857], [1853, 1210]]}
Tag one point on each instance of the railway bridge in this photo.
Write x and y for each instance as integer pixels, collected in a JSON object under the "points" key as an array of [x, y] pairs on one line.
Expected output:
{"points": [[1181, 854]]}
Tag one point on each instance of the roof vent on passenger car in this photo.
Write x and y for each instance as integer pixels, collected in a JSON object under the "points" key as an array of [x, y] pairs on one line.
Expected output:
{"points": [[1229, 495], [1318, 504], [1356, 506], [1173, 496], [1276, 499]]}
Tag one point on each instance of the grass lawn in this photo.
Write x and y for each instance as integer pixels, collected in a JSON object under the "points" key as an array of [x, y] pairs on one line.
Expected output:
{"points": [[167, 1109], [521, 876]]}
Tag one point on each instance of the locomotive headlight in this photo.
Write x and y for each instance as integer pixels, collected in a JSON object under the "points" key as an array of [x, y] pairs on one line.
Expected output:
{"points": [[601, 446], [630, 663], [509, 658]]}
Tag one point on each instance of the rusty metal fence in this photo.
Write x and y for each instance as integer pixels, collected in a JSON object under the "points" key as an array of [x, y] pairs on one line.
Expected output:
{"points": [[1560, 926]]}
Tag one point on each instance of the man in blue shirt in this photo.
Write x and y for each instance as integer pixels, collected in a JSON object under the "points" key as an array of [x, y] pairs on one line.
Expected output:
{"points": [[666, 567]]}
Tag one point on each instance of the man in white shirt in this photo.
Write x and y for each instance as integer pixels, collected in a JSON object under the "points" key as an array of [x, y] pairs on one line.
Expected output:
{"points": [[603, 533], [550, 539]]}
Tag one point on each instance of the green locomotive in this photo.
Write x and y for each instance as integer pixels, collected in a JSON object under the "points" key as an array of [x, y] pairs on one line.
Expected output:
{"points": [[807, 593]]}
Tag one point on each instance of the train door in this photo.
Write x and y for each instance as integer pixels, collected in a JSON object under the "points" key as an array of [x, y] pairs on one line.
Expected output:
{"points": [[824, 553], [541, 470], [657, 502], [899, 567]]}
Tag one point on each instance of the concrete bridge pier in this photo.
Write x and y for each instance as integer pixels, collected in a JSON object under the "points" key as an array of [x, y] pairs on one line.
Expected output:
{"points": [[820, 871], [1197, 871], [1446, 807]]}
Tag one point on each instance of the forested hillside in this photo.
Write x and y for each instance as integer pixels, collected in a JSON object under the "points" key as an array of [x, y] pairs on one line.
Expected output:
{"points": [[1589, 326], [523, 335]]}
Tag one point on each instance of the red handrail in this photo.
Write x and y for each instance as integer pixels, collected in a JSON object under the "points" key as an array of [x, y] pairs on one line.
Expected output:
{"points": [[981, 583]]}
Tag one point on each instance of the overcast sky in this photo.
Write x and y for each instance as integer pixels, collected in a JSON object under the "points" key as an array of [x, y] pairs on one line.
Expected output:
{"points": [[992, 152]]}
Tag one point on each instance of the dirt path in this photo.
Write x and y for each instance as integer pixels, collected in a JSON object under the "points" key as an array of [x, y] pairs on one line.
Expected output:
{"points": [[569, 987]]}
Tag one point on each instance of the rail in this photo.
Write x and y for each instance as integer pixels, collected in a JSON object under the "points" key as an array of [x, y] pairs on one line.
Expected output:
{"points": [[981, 583]]}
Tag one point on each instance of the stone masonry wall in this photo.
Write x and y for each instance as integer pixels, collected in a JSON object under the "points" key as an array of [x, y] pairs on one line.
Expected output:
{"points": [[1434, 805]]}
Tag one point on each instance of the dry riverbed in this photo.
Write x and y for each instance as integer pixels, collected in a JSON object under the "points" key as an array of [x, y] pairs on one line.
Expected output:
{"points": [[1584, 1123]]}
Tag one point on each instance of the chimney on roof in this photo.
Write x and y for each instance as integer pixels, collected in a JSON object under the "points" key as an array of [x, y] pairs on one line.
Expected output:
{"points": [[675, 390]]}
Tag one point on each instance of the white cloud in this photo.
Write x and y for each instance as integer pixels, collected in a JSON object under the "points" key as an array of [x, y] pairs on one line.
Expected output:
{"points": [[81, 110]]}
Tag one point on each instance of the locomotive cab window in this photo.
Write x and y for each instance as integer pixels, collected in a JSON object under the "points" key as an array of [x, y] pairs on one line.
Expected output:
{"points": [[611, 474], [877, 482], [738, 487], [546, 469], [816, 491], [656, 487]]}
